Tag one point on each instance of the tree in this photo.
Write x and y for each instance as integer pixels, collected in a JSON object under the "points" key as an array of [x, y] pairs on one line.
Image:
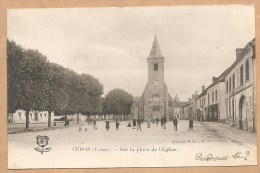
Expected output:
{"points": [[27, 78], [118, 102], [36, 84]]}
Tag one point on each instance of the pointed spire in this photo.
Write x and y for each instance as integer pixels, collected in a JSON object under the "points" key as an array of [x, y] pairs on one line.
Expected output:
{"points": [[155, 52]]}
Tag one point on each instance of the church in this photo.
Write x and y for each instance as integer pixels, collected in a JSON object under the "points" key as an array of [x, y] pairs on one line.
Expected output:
{"points": [[155, 102]]}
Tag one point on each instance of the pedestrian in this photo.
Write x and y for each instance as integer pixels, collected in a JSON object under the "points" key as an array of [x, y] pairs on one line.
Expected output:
{"points": [[191, 124], [86, 125], [157, 121], [94, 124], [134, 123], [240, 124], [162, 121], [139, 121], [148, 122], [107, 124], [175, 123], [117, 125], [80, 126]]}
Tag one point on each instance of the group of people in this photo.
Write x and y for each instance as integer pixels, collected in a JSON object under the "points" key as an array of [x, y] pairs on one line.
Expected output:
{"points": [[137, 122], [85, 124]]}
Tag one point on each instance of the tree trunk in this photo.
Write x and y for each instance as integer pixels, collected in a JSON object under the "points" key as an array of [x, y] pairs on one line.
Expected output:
{"points": [[77, 117], [49, 118], [27, 120]]}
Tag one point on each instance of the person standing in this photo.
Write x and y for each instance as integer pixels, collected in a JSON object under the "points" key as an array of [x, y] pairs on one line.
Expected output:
{"points": [[134, 123], [139, 121], [86, 125], [148, 122], [94, 124], [157, 121], [117, 125], [191, 124], [107, 124], [175, 123], [164, 122]]}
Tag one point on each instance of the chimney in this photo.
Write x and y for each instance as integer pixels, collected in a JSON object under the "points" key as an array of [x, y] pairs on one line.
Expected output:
{"points": [[239, 51], [203, 88], [214, 79]]}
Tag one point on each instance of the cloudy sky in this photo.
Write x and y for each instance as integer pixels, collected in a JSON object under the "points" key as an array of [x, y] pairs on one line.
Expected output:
{"points": [[112, 44]]}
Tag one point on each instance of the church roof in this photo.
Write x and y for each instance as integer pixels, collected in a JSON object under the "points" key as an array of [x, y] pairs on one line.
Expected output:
{"points": [[155, 52]]}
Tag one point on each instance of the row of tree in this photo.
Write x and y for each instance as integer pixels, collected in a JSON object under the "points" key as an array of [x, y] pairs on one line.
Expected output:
{"points": [[34, 83]]}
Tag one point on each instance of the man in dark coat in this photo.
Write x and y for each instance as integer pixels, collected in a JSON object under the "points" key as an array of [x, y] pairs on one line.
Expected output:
{"points": [[175, 123], [162, 121], [139, 121], [191, 124], [134, 123], [157, 120], [107, 124], [117, 125]]}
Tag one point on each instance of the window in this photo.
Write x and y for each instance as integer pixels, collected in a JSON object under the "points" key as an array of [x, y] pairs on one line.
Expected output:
{"points": [[227, 86], [212, 96], [229, 83], [247, 70], [241, 75], [204, 100], [229, 108], [234, 80], [216, 95], [208, 99], [156, 109], [155, 67]]}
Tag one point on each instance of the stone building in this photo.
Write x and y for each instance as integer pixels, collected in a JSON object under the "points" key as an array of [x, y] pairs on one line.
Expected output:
{"points": [[211, 102], [186, 110], [155, 101], [240, 89], [177, 108]]}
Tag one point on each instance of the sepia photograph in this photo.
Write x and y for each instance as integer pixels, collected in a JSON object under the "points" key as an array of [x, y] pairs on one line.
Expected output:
{"points": [[113, 87]]}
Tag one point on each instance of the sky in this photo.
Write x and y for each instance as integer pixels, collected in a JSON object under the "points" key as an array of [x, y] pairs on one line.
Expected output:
{"points": [[113, 44]]}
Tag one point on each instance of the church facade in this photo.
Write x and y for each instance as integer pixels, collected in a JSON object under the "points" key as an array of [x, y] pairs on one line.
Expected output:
{"points": [[155, 102]]}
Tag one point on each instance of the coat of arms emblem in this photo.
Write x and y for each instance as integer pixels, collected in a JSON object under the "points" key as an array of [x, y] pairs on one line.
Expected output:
{"points": [[42, 141]]}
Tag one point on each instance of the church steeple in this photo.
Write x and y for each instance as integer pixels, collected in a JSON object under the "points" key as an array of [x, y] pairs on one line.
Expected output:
{"points": [[155, 52]]}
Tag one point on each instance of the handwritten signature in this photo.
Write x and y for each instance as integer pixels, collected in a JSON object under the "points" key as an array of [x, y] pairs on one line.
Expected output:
{"points": [[211, 157]]}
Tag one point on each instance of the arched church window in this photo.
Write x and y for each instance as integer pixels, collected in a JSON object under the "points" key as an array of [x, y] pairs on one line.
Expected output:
{"points": [[155, 67]]}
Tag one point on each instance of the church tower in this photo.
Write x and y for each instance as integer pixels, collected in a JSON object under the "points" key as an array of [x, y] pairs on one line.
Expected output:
{"points": [[154, 101], [155, 64]]}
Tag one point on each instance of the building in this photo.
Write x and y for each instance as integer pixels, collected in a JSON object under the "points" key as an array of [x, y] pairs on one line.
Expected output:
{"points": [[202, 104], [34, 116], [155, 101], [211, 102], [187, 110], [240, 89], [177, 108]]}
